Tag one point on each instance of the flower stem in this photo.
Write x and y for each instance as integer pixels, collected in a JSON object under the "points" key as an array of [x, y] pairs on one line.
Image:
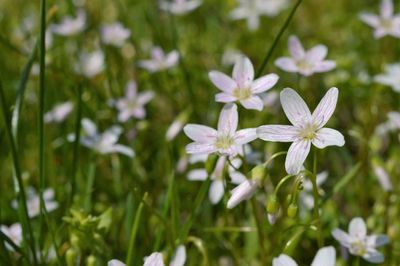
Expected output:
{"points": [[316, 201], [260, 230], [278, 37]]}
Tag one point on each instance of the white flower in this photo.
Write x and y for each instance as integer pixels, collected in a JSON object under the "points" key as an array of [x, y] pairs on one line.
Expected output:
{"points": [[391, 77], [132, 105], [180, 7], [105, 142], [383, 178], [325, 256], [217, 187], [159, 60], [90, 64], [115, 34], [230, 57], [306, 196], [392, 124], [305, 62], [115, 263], [156, 258], [307, 129], [70, 26], [13, 232], [242, 87], [33, 202], [243, 191], [386, 23], [359, 243], [59, 113], [176, 126], [251, 10], [225, 141]]}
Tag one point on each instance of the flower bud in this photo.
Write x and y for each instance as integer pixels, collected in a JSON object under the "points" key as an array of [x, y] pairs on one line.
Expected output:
{"points": [[292, 210], [272, 205], [91, 261], [71, 257], [257, 173]]}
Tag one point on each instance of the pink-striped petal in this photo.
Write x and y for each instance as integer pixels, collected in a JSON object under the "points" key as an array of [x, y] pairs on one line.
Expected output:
{"points": [[296, 156], [222, 81], [328, 137], [295, 48], [326, 107], [200, 133], [294, 107], [228, 119], [264, 83], [253, 102], [277, 133]]}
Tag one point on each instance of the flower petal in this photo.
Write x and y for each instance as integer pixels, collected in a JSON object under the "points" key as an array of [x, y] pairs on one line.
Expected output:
{"points": [[202, 148], [224, 97], [377, 240], [155, 259], [228, 119], [115, 263], [295, 48], [374, 256], [200, 133], [295, 108], [197, 175], [89, 127], [324, 66], [370, 19], [326, 107], [317, 53], [145, 97], [386, 9], [242, 192], [325, 257], [328, 137], [342, 237], [264, 83], [243, 72], [222, 81], [296, 156], [131, 89], [277, 133], [283, 260], [179, 258], [253, 102], [244, 136], [357, 228], [287, 64], [216, 191], [172, 59]]}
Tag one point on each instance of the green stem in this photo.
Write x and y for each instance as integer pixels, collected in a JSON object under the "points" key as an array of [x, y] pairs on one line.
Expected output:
{"points": [[134, 230], [42, 55], [283, 180], [260, 230], [278, 37], [316, 201], [273, 157], [23, 212]]}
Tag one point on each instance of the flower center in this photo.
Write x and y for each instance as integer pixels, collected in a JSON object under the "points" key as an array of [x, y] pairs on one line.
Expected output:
{"points": [[304, 64], [358, 247], [242, 93], [224, 142], [308, 132], [387, 24]]}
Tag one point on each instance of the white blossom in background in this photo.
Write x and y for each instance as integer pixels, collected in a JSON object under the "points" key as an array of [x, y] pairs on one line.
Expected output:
{"points": [[230, 57], [325, 256], [159, 60], [70, 26], [306, 197], [176, 126], [115, 263], [103, 143], [391, 77], [252, 10], [33, 202], [13, 232], [242, 87], [115, 34], [179, 7], [386, 23], [383, 178], [59, 112], [224, 141], [132, 105], [307, 128], [305, 62], [217, 187], [359, 243], [90, 64], [392, 124]]}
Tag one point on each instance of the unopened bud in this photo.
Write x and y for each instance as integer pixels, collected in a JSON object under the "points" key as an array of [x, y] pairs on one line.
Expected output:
{"points": [[257, 173], [272, 205], [292, 210], [91, 261], [289, 198], [71, 257]]}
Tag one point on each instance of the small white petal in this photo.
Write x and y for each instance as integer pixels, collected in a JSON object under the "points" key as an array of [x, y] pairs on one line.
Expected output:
{"points": [[216, 191], [244, 136], [131, 90], [370, 19], [328, 137], [242, 192], [228, 119], [377, 240], [324, 66], [278, 133], [294, 107], [374, 257], [202, 148], [386, 9], [326, 107], [172, 59], [222, 81], [287, 64], [200, 133], [115, 263], [197, 175], [295, 48], [325, 257], [357, 228], [89, 127], [296, 156], [253, 102], [317, 53], [179, 258], [342, 237], [283, 260], [264, 83], [224, 97], [243, 72], [155, 259]]}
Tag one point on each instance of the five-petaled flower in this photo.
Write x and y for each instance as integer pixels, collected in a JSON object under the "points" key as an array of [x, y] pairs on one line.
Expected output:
{"points": [[225, 141], [242, 87], [304, 62], [115, 34], [307, 128], [359, 243], [13, 232], [70, 26], [391, 77], [386, 23], [325, 256], [180, 7], [159, 60], [132, 105]]}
